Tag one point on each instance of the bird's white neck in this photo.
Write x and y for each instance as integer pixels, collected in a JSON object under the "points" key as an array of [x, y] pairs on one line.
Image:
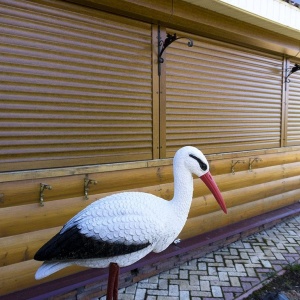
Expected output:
{"points": [[183, 191]]}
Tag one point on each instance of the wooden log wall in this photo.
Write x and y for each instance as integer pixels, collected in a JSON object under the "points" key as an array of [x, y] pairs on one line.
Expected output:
{"points": [[25, 226]]}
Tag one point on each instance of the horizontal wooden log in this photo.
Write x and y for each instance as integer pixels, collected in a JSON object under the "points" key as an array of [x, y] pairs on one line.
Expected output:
{"points": [[20, 276], [32, 217], [218, 219], [223, 166], [28, 191], [228, 182], [22, 247], [206, 204]]}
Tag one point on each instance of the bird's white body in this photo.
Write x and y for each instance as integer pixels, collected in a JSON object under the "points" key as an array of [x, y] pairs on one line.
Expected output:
{"points": [[133, 219]]}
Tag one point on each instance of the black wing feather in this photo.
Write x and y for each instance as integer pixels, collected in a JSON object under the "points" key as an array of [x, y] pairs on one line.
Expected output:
{"points": [[71, 244]]}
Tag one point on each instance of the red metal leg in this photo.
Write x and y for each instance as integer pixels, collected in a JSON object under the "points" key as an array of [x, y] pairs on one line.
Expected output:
{"points": [[113, 282]]}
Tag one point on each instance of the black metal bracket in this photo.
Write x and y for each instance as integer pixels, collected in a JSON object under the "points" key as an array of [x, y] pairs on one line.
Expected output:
{"points": [[163, 45], [291, 70]]}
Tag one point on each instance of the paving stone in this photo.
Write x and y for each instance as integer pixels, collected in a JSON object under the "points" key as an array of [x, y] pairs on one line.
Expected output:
{"points": [[211, 279], [291, 250], [233, 251], [166, 275], [183, 274], [146, 285], [228, 296], [233, 289], [249, 279], [163, 284], [219, 258], [173, 290], [184, 295], [278, 255], [220, 283], [216, 291], [236, 274], [223, 276], [200, 294], [153, 279], [202, 266], [244, 255], [212, 271], [240, 268], [246, 286], [217, 264], [204, 285], [225, 269], [140, 294], [266, 263], [252, 265], [131, 289], [235, 281], [157, 292], [194, 280], [125, 297]]}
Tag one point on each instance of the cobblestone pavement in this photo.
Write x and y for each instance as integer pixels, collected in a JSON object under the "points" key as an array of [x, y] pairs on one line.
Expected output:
{"points": [[229, 273]]}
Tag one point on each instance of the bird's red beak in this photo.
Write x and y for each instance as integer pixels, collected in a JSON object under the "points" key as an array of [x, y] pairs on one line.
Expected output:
{"points": [[211, 184]]}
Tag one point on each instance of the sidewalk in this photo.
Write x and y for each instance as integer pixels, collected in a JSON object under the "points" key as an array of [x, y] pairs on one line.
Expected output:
{"points": [[232, 272]]}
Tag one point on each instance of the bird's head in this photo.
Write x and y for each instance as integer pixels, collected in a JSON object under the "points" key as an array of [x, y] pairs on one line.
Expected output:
{"points": [[195, 161]]}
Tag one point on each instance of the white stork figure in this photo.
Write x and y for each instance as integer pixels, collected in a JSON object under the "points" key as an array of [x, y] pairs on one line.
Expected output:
{"points": [[120, 229]]}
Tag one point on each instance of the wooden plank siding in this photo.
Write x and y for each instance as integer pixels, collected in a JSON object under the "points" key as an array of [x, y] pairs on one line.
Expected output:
{"points": [[81, 96], [75, 87]]}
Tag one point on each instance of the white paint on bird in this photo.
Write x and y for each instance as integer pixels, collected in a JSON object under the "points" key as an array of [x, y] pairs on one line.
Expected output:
{"points": [[125, 227]]}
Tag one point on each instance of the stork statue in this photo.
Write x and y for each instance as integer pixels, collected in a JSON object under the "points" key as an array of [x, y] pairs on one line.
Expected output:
{"points": [[120, 229]]}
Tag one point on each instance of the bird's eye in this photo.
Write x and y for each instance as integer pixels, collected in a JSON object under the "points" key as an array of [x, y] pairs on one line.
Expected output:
{"points": [[202, 165]]}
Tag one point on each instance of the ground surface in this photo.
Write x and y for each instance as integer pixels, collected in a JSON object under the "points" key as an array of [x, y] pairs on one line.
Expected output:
{"points": [[287, 284], [232, 272]]}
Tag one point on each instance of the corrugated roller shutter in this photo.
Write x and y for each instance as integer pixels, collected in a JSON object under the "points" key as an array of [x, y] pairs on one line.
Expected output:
{"points": [[221, 98], [75, 86], [293, 123]]}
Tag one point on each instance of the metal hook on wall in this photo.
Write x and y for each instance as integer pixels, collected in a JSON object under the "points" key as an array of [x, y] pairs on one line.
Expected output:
{"points": [[87, 182], [251, 161], [291, 70], [233, 163], [43, 187], [163, 45]]}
